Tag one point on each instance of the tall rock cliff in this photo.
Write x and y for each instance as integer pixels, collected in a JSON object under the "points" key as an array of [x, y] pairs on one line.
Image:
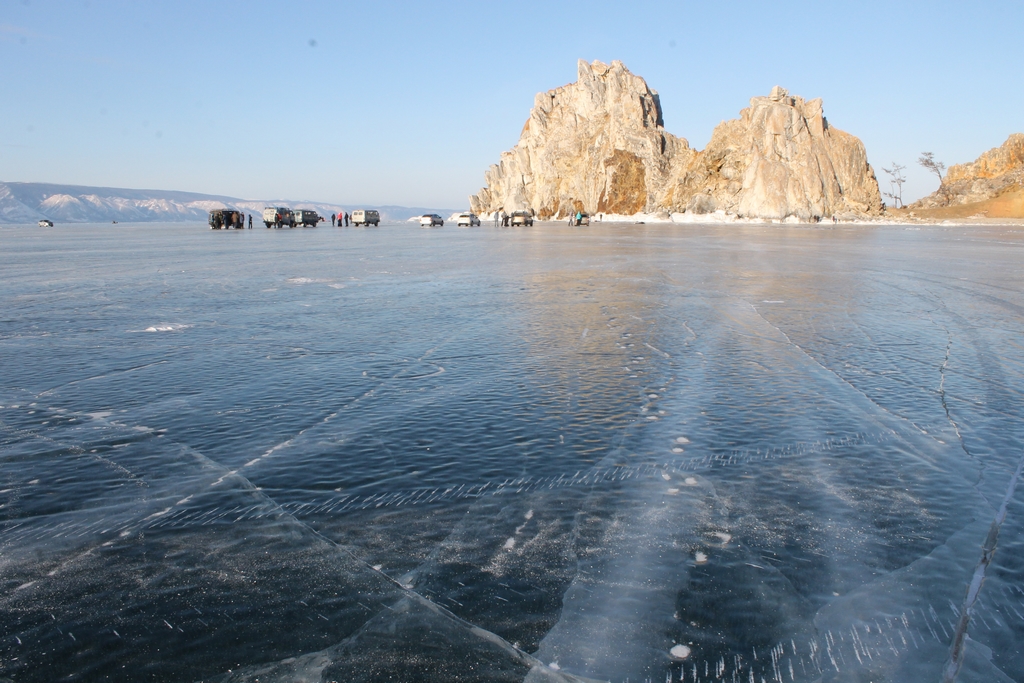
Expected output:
{"points": [[598, 145], [998, 170], [781, 158]]}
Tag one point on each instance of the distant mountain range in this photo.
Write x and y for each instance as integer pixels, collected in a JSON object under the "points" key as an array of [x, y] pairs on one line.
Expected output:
{"points": [[29, 202]]}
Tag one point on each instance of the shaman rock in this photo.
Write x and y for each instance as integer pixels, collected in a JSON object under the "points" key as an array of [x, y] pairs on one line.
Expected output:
{"points": [[996, 171], [596, 145], [781, 158], [599, 146]]}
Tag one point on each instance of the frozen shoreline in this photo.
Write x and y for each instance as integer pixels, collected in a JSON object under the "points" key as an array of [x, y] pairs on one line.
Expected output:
{"points": [[722, 218]]}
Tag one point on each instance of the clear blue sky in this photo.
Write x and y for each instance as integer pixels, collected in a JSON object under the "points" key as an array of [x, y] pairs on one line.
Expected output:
{"points": [[408, 103]]}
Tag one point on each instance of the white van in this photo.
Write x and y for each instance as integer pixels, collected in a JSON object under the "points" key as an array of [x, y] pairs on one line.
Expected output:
{"points": [[365, 217], [277, 216]]}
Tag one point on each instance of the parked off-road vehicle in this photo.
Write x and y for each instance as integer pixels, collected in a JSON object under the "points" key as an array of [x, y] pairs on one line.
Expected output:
{"points": [[365, 217], [278, 216], [225, 219], [306, 217]]}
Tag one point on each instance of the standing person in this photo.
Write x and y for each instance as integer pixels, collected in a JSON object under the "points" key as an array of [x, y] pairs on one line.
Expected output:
{"points": [[347, 218], [570, 218], [579, 217], [332, 220], [496, 217], [250, 221]]}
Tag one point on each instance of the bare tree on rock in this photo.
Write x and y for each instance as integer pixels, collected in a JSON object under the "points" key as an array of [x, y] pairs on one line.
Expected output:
{"points": [[927, 159], [896, 180]]}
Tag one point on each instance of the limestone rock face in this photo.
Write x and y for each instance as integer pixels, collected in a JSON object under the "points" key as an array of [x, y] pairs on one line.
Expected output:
{"points": [[596, 145], [997, 170], [781, 158]]}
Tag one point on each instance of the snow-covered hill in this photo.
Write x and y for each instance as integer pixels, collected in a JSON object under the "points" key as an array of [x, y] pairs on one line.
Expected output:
{"points": [[28, 202]]}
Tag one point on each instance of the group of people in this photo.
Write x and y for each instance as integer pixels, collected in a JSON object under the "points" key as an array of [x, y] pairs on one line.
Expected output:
{"points": [[337, 219], [235, 220], [502, 219]]}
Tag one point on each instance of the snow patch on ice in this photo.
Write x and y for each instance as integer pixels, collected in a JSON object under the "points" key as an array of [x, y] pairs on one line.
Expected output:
{"points": [[165, 327], [510, 543]]}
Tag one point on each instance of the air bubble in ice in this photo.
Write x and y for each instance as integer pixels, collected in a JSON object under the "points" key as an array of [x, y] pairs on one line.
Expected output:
{"points": [[682, 439], [690, 481], [679, 652], [700, 558]]}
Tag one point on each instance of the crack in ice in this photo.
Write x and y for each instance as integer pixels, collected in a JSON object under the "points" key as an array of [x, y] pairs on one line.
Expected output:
{"points": [[988, 550]]}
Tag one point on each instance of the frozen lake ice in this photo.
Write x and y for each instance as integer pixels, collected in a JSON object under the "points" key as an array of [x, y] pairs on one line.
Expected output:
{"points": [[619, 453]]}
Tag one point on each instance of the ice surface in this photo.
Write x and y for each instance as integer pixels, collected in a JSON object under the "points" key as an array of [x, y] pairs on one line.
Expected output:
{"points": [[445, 469]]}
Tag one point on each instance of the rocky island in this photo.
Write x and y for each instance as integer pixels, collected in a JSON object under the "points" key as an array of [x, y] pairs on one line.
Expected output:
{"points": [[992, 186], [599, 146]]}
